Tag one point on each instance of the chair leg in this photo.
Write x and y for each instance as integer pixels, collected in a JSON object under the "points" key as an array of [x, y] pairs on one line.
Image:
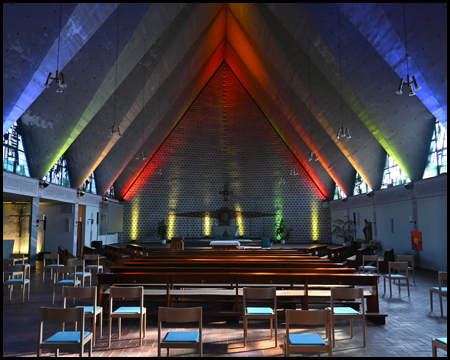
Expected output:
{"points": [[407, 283], [440, 300], [431, 300], [364, 331], [351, 328]]}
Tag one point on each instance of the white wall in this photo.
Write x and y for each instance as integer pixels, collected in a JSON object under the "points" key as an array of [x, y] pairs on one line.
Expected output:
{"points": [[390, 209]]}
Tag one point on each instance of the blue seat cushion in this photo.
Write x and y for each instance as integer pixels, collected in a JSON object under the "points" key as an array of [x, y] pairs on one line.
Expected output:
{"points": [[368, 267], [67, 281], [305, 339], [128, 310], [14, 281], [345, 311], [437, 288], [88, 309], [182, 336], [93, 266], [52, 265], [397, 276], [66, 336], [259, 310], [442, 340]]}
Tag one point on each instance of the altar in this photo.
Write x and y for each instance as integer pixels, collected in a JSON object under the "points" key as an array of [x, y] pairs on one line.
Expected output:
{"points": [[225, 245], [225, 232]]}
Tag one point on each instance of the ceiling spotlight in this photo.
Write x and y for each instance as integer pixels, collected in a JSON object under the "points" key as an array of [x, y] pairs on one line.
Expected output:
{"points": [[370, 193], [408, 185], [141, 155], [312, 156], [80, 193], [43, 184], [105, 198], [114, 130], [343, 132]]}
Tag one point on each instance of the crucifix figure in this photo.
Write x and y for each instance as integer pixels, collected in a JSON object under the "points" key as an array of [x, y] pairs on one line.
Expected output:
{"points": [[225, 192], [20, 217]]}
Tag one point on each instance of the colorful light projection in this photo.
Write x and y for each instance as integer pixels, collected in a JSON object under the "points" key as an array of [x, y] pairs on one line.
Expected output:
{"points": [[134, 220], [207, 223], [171, 226], [240, 221], [315, 221]]}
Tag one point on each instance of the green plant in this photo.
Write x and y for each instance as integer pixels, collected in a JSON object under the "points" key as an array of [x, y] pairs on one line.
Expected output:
{"points": [[162, 229], [281, 231], [344, 229]]}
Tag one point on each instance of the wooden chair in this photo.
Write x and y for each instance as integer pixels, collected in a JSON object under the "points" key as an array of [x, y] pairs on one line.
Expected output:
{"points": [[89, 311], [19, 270], [18, 258], [96, 267], [440, 343], [347, 312], [307, 342], [54, 261], [63, 340], [395, 273], [177, 243], [80, 265], [369, 259], [180, 339], [139, 312], [410, 260], [64, 280], [9, 273], [441, 290], [261, 296]]}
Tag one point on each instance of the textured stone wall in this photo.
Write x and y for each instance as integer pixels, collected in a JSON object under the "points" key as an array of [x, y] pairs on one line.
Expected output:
{"points": [[224, 138]]}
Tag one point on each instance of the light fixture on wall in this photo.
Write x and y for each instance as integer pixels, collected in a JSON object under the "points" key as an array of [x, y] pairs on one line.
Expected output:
{"points": [[409, 82], [59, 78], [141, 154], [343, 131], [158, 171], [105, 198], [80, 193], [43, 184], [115, 129]]}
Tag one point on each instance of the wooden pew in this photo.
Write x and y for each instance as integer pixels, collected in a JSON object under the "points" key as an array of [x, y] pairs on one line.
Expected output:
{"points": [[317, 250], [338, 254], [355, 261], [308, 280], [63, 255]]}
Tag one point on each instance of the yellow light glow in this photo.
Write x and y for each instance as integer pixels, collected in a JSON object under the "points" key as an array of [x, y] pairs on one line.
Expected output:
{"points": [[240, 223], [134, 220], [207, 225], [315, 222], [171, 226]]}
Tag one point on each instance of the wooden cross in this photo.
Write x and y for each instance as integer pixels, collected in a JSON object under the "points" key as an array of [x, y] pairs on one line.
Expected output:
{"points": [[225, 192], [20, 216]]}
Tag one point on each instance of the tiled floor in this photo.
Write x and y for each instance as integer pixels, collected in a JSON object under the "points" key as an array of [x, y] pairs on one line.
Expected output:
{"points": [[409, 327]]}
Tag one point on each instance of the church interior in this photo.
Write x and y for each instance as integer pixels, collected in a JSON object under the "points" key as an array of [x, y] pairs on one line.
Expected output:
{"points": [[244, 132]]}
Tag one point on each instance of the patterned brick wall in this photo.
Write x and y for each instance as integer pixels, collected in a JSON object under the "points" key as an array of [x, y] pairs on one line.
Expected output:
{"points": [[224, 139]]}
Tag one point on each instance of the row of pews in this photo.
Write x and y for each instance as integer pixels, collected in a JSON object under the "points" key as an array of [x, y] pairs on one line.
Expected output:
{"points": [[209, 277]]}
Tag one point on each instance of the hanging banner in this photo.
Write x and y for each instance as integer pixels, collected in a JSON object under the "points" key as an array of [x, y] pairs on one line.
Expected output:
{"points": [[416, 240]]}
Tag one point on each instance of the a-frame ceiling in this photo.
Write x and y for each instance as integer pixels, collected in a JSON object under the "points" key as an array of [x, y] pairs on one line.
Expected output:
{"points": [[289, 57]]}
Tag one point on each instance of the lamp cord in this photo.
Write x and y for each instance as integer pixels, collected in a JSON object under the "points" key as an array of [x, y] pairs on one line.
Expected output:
{"points": [[340, 66], [59, 36], [115, 82], [406, 42]]}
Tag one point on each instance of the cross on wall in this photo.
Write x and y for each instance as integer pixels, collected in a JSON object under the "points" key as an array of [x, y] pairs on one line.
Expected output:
{"points": [[20, 217], [225, 192]]}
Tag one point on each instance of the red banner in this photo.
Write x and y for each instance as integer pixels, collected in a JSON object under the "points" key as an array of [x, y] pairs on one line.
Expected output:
{"points": [[416, 240]]}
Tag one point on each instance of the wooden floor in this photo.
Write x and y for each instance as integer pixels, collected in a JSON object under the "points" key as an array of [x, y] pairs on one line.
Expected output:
{"points": [[408, 331]]}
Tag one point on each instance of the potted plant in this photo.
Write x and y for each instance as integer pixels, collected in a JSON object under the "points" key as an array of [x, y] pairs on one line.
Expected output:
{"points": [[282, 232], [162, 231], [344, 229]]}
